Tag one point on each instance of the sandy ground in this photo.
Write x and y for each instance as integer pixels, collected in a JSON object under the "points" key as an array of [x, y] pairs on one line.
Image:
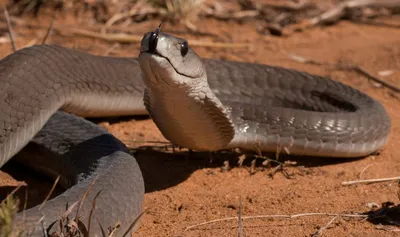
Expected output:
{"points": [[187, 189]]}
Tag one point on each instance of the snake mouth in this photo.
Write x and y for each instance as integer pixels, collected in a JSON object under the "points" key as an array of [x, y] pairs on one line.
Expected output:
{"points": [[160, 70], [159, 59], [155, 64]]}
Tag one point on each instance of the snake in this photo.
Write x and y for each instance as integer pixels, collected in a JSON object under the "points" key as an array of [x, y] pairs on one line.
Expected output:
{"points": [[47, 91]]}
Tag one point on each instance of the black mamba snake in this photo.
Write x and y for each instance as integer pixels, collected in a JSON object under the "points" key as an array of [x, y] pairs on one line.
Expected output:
{"points": [[210, 106]]}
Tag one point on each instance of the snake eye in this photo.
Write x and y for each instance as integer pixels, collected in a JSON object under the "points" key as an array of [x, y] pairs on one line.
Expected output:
{"points": [[184, 48]]}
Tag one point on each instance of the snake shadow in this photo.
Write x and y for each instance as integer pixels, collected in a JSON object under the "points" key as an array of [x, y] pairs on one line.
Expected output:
{"points": [[162, 170]]}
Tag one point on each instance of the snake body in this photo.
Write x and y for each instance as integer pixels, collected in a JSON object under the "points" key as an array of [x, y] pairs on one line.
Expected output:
{"points": [[203, 105]]}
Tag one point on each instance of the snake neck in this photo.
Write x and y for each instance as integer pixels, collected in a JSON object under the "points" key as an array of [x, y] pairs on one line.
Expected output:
{"points": [[190, 116]]}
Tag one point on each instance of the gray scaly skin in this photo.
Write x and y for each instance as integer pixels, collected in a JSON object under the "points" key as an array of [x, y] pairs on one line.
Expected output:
{"points": [[253, 106], [38, 81], [250, 106]]}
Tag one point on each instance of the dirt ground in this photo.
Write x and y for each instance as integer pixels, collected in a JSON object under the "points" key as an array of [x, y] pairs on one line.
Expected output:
{"points": [[185, 189]]}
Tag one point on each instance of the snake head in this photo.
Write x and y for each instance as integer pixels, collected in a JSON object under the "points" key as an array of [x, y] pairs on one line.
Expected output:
{"points": [[178, 96], [169, 59]]}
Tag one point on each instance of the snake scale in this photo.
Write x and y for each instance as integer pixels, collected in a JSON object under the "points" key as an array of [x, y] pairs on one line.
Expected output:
{"points": [[199, 104]]}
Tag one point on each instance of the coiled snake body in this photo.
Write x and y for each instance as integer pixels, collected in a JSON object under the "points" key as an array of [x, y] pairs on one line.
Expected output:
{"points": [[249, 106]]}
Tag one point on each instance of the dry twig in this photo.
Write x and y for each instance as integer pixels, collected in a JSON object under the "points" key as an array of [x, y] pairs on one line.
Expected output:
{"points": [[322, 229], [126, 38], [368, 181], [111, 49], [340, 10], [84, 197], [91, 210], [10, 30], [123, 37], [134, 223], [49, 194], [229, 16], [48, 32], [12, 193], [368, 75], [364, 169], [138, 9], [277, 217], [240, 220], [290, 5], [343, 66]]}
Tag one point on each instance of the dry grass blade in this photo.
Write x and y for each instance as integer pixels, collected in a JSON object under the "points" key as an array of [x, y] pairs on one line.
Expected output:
{"points": [[84, 198], [377, 23], [44, 232], [220, 14], [81, 227], [126, 38], [103, 232], [368, 181], [140, 8], [322, 229], [133, 224], [91, 210], [343, 66], [12, 193], [277, 217], [50, 29], [240, 220], [182, 9], [200, 43], [37, 224], [112, 37], [290, 5], [51, 191], [50, 227], [25, 204], [370, 76], [69, 210], [10, 30], [340, 10], [111, 49], [63, 222]]}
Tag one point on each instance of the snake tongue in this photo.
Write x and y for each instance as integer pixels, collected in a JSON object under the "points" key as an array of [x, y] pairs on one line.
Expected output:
{"points": [[151, 38]]}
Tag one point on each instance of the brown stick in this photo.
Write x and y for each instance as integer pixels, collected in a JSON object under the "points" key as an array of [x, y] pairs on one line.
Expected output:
{"points": [[290, 5], [10, 30], [343, 66], [138, 9], [368, 75], [368, 181], [240, 221], [339, 11], [125, 38], [49, 194], [50, 29], [322, 229], [277, 217]]}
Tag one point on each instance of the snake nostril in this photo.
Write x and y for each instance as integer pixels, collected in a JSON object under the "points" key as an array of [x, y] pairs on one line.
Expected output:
{"points": [[153, 40]]}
